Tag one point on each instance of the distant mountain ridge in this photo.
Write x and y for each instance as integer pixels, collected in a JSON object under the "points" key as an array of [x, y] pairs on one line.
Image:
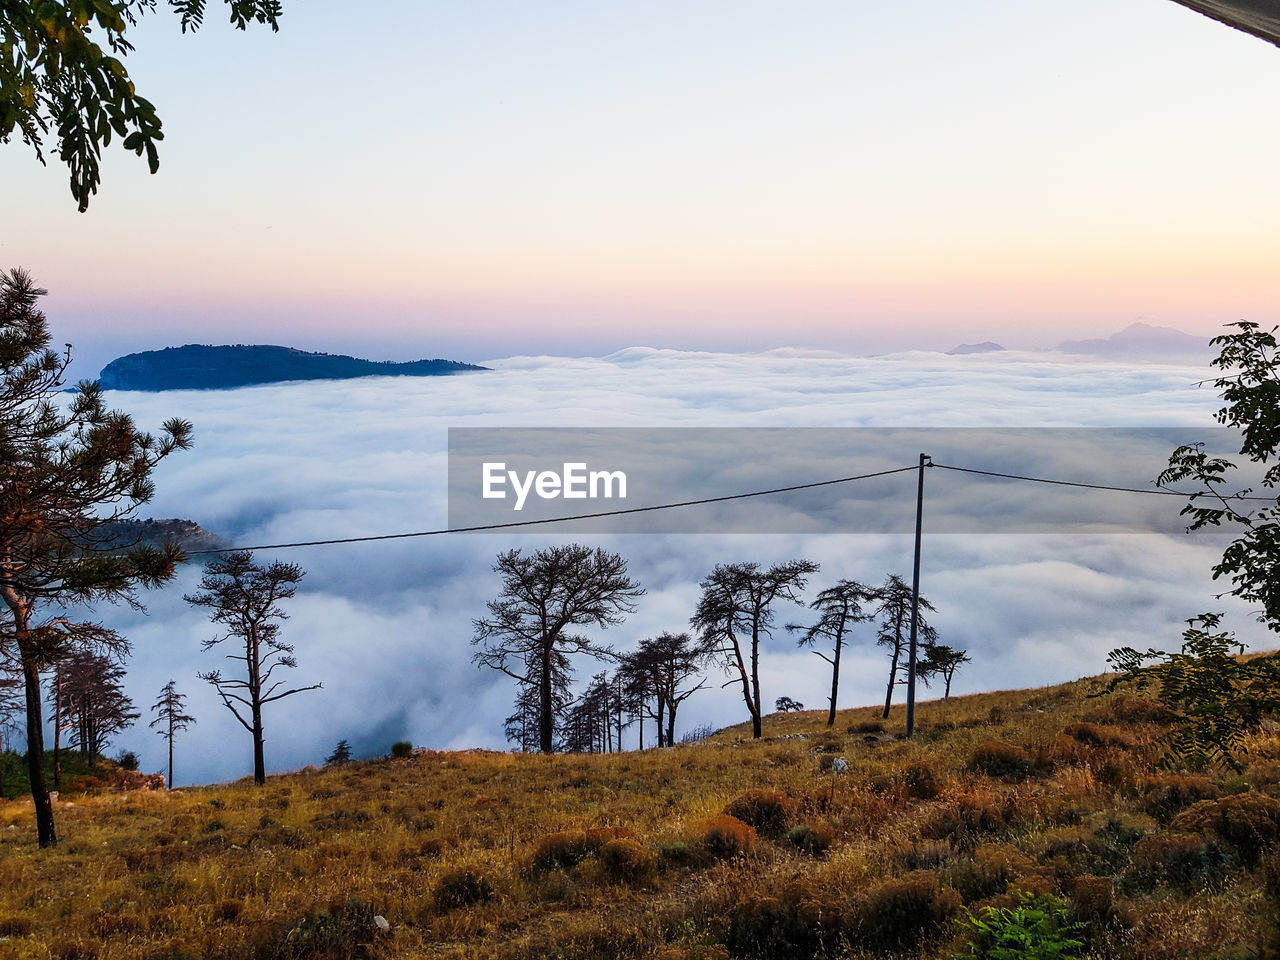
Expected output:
{"points": [[964, 349], [1141, 341], [205, 367], [187, 534]]}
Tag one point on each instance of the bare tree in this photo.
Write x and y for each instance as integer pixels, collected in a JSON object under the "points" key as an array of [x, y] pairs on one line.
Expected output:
{"points": [[93, 701], [170, 718], [544, 596], [942, 661], [245, 598], [68, 469], [736, 613], [839, 608], [11, 705], [893, 611]]}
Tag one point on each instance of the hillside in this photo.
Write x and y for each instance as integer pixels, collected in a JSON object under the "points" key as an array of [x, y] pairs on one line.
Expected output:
{"points": [[187, 534], [495, 855], [204, 367]]}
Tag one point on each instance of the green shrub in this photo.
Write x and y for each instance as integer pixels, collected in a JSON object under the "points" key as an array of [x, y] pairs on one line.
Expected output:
{"points": [[463, 886], [401, 748], [814, 839], [1038, 928], [905, 912], [1004, 760], [769, 811]]}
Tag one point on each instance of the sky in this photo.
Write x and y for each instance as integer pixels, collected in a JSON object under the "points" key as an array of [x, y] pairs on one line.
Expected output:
{"points": [[386, 626], [497, 178]]}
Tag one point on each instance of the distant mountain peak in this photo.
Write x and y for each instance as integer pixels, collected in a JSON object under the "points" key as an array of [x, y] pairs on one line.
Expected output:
{"points": [[1140, 341], [986, 346], [198, 366]]}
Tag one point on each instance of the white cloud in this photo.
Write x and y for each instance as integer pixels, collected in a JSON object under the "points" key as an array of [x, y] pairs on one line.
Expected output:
{"points": [[386, 626]]}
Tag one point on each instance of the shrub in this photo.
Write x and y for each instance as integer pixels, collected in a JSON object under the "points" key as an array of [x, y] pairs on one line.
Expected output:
{"points": [[1250, 822], [625, 860], [873, 726], [726, 836], [73, 950], [1186, 862], [928, 857], [563, 851], [768, 811], [922, 782], [986, 874], [1093, 899], [14, 926], [1126, 709], [1038, 928], [906, 911], [401, 748], [828, 742], [678, 854], [965, 819], [463, 886], [813, 839], [799, 922], [1004, 760], [333, 933], [128, 760], [1168, 796], [1093, 735]]}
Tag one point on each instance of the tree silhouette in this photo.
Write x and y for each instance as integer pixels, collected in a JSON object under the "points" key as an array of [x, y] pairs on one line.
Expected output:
{"points": [[245, 598], [893, 610], [93, 701], [942, 661], [69, 468], [839, 608], [787, 705], [736, 613], [657, 676], [11, 704], [170, 718], [341, 754], [528, 633]]}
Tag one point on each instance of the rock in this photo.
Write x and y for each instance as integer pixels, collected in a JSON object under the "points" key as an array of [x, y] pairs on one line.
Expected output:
{"points": [[381, 923], [839, 765]]}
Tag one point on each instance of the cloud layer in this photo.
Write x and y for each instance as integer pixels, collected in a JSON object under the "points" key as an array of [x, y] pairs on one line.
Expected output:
{"points": [[386, 626]]}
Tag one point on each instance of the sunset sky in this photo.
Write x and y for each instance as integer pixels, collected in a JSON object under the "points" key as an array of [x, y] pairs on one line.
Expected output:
{"points": [[487, 179]]}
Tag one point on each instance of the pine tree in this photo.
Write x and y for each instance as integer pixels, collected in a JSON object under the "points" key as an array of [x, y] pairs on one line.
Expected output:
{"points": [[170, 718]]}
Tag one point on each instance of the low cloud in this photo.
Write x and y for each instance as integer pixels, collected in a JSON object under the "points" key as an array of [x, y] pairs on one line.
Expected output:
{"points": [[386, 626]]}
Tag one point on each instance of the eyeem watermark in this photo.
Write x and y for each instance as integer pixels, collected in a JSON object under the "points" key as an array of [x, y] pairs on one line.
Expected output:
{"points": [[573, 482]]}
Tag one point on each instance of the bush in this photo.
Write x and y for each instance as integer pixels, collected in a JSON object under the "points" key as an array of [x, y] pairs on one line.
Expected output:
{"points": [[401, 748], [463, 886], [1126, 709], [1093, 735], [563, 851], [965, 819], [874, 726], [336, 932], [1093, 899], [799, 922], [906, 911], [1038, 928], [725, 837], [813, 839], [679, 854], [769, 811], [1167, 797], [128, 761], [986, 874], [1004, 760], [625, 860], [922, 782], [1183, 861], [1250, 822]]}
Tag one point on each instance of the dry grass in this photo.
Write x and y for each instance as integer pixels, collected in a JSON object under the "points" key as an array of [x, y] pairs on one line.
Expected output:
{"points": [[493, 855]]}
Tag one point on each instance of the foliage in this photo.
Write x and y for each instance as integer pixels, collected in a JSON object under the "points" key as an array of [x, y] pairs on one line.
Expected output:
{"points": [[839, 608], [1215, 698], [1038, 928], [402, 749], [68, 469], [1249, 822], [1251, 393], [812, 838], [787, 705], [770, 812], [905, 911], [725, 837], [1182, 861], [341, 754], [1005, 760], [244, 597], [462, 886], [62, 69]]}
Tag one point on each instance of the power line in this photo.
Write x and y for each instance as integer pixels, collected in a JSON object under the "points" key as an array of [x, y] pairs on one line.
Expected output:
{"points": [[546, 520], [1086, 486]]}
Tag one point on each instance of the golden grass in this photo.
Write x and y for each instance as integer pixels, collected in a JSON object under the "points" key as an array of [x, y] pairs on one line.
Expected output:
{"points": [[446, 847]]}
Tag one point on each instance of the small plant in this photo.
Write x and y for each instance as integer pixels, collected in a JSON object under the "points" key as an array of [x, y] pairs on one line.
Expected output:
{"points": [[625, 860], [769, 811], [922, 782], [1093, 735], [462, 886], [906, 911], [1038, 928], [813, 839], [1169, 796], [565, 850], [725, 837], [402, 748], [334, 932], [128, 760], [1185, 862], [1249, 822]]}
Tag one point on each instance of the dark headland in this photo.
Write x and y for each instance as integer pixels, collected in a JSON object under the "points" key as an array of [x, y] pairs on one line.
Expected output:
{"points": [[203, 367]]}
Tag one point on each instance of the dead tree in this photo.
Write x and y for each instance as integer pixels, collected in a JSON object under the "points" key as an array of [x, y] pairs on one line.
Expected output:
{"points": [[736, 613], [658, 674], [93, 702], [893, 611], [529, 634], [170, 719], [839, 608], [245, 598]]}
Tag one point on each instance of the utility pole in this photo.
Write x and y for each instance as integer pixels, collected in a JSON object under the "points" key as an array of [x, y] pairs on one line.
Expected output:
{"points": [[915, 600]]}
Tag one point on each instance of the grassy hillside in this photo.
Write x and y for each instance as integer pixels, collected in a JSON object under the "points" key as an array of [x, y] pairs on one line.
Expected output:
{"points": [[480, 854]]}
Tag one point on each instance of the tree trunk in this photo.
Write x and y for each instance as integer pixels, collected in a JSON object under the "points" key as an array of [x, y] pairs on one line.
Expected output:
{"points": [[57, 727], [662, 742], [35, 755], [671, 723], [170, 780], [546, 720], [755, 681], [947, 693], [893, 675], [835, 685], [259, 761]]}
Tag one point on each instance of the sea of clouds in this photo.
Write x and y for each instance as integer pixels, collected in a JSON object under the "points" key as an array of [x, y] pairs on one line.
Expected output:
{"points": [[386, 626]]}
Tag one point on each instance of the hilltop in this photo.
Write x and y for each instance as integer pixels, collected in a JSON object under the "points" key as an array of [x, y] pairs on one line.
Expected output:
{"points": [[204, 367], [631, 855]]}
